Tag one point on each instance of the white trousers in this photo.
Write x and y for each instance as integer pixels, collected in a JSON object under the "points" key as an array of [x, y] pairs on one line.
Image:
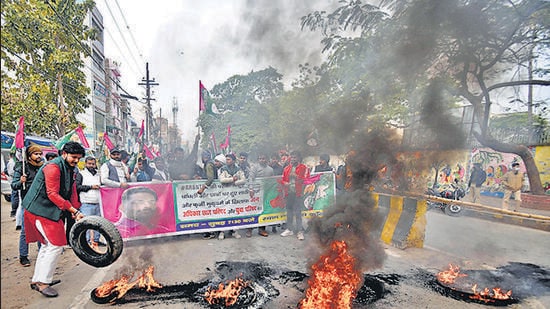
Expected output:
{"points": [[47, 259]]}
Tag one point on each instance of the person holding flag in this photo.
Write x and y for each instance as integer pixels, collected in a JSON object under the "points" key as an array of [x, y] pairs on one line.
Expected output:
{"points": [[23, 177]]}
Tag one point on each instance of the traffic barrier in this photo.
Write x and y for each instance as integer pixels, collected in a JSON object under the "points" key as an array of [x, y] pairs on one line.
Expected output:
{"points": [[405, 220]]}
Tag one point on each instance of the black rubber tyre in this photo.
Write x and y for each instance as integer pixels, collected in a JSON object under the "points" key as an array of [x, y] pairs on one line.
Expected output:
{"points": [[85, 252], [453, 210]]}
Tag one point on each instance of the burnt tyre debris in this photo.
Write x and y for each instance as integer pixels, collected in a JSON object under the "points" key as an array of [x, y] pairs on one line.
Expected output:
{"points": [[85, 252]]}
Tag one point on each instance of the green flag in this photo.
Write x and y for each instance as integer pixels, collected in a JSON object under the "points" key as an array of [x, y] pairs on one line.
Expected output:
{"points": [[66, 138]]}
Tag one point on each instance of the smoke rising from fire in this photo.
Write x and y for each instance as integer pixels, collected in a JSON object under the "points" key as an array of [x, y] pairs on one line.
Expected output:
{"points": [[136, 260], [354, 218]]}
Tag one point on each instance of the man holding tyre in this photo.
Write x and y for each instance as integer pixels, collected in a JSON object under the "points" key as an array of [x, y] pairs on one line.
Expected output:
{"points": [[52, 191]]}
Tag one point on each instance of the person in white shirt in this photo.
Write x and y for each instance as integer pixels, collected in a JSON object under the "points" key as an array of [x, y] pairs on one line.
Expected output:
{"points": [[114, 173], [87, 186]]}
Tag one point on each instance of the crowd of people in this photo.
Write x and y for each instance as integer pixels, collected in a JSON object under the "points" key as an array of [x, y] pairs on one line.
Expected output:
{"points": [[56, 180], [50, 193]]}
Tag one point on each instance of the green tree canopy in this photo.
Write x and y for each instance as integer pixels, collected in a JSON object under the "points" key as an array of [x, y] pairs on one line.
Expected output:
{"points": [[43, 47]]}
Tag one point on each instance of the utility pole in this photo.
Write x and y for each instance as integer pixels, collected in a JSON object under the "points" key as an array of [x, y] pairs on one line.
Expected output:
{"points": [[147, 82]]}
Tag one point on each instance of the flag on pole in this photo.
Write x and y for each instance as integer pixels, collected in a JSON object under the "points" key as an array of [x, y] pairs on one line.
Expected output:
{"points": [[202, 102], [141, 130], [213, 144], [63, 140], [148, 152], [108, 142], [19, 141], [20, 134], [227, 143], [82, 137]]}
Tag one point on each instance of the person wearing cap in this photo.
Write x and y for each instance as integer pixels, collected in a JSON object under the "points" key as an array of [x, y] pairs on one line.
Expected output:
{"points": [[53, 190], [323, 165], [512, 182], [114, 173], [477, 179], [23, 177], [231, 174]]}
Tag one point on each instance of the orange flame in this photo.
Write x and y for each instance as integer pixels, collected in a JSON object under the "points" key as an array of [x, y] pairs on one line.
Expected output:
{"points": [[486, 295], [449, 276], [227, 294], [335, 280], [123, 284]]}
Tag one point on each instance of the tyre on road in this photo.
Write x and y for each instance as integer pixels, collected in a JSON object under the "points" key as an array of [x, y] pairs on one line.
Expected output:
{"points": [[85, 252], [453, 210]]}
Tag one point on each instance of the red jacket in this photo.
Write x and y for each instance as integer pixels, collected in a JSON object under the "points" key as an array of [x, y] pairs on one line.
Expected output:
{"points": [[302, 173]]}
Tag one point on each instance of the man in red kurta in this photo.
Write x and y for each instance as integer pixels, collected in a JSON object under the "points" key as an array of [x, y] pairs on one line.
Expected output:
{"points": [[294, 175], [52, 191]]}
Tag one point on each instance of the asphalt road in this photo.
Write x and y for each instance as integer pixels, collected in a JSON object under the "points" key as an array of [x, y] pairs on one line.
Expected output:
{"points": [[465, 241]]}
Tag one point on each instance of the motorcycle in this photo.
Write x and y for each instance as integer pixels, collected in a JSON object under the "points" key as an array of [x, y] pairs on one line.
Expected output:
{"points": [[452, 191]]}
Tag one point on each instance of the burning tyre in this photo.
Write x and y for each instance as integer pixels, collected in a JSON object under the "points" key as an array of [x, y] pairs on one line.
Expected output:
{"points": [[89, 255]]}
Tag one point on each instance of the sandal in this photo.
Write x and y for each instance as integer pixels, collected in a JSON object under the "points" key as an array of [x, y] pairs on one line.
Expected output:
{"points": [[46, 290]]}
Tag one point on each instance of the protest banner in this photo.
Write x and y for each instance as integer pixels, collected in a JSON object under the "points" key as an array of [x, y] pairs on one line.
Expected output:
{"points": [[181, 210]]}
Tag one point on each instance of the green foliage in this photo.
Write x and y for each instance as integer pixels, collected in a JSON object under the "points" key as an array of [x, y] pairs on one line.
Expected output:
{"points": [[43, 45], [242, 102]]}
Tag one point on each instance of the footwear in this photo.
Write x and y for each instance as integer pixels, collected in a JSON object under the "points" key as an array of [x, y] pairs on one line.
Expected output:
{"points": [[24, 261], [300, 236], [236, 235], [12, 214], [286, 233], [208, 236], [263, 233], [221, 236], [54, 282], [248, 233], [47, 291], [18, 228]]}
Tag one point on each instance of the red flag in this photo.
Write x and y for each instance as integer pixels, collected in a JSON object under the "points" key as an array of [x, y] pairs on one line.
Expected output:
{"points": [[213, 143], [82, 137], [108, 142], [202, 102], [140, 134], [148, 152], [227, 142], [20, 135]]}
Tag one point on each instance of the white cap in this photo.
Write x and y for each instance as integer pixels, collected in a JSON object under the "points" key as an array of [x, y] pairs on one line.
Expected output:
{"points": [[220, 158]]}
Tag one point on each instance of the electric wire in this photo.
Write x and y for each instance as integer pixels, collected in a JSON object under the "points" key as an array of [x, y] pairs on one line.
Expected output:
{"points": [[121, 34], [129, 31], [85, 49]]}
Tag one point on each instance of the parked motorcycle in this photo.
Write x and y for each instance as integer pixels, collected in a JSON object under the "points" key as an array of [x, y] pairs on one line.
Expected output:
{"points": [[452, 191]]}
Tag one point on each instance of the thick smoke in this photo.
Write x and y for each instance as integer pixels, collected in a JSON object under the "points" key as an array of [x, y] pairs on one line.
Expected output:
{"points": [[354, 217], [444, 129]]}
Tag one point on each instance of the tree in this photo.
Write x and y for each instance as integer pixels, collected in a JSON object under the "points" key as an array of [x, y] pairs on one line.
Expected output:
{"points": [[43, 44], [242, 102], [465, 48]]}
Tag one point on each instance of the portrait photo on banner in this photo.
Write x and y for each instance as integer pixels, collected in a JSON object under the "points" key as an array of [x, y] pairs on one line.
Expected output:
{"points": [[145, 209]]}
